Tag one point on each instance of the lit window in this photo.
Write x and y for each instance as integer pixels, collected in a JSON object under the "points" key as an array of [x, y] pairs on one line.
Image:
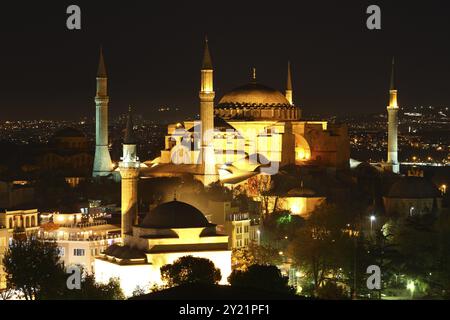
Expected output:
{"points": [[78, 252]]}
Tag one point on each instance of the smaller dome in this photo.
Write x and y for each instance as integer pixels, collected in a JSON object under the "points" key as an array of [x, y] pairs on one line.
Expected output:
{"points": [[175, 214], [413, 188]]}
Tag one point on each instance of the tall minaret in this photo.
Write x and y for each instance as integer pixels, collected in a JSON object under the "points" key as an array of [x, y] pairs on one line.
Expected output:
{"points": [[392, 109], [207, 118], [102, 159], [129, 171], [288, 93]]}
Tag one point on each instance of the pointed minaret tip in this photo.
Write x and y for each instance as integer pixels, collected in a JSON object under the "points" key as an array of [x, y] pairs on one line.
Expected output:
{"points": [[207, 62], [289, 77], [101, 72], [129, 132], [393, 84]]}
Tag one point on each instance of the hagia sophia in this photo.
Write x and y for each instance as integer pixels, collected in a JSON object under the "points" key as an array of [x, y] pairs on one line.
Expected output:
{"points": [[253, 131], [252, 140]]}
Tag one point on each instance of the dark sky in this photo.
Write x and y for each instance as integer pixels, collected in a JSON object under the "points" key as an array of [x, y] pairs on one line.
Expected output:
{"points": [[153, 52]]}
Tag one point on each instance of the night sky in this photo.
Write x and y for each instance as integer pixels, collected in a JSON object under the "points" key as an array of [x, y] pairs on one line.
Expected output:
{"points": [[153, 51]]}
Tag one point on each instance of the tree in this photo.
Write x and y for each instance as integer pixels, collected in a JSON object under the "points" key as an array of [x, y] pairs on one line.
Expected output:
{"points": [[331, 291], [92, 290], [281, 225], [424, 243], [321, 247], [243, 258], [267, 278], [33, 268], [189, 269]]}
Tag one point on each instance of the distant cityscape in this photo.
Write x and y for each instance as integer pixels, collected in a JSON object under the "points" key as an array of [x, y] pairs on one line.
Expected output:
{"points": [[424, 133]]}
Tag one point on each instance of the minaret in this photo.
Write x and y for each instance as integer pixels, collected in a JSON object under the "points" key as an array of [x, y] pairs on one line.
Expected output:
{"points": [[288, 93], [129, 171], [207, 118], [392, 109], [102, 159]]}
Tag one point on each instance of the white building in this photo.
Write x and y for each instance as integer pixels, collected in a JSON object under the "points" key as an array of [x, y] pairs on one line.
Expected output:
{"points": [[170, 231], [79, 242]]}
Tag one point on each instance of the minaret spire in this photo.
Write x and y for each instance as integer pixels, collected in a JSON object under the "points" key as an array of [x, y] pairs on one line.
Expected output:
{"points": [[392, 109], [207, 62], [102, 159], [101, 71], [288, 93], [289, 77], [393, 85], [129, 132]]}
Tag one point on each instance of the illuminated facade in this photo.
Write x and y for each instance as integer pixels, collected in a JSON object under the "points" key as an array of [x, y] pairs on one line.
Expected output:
{"points": [[299, 201], [79, 241], [23, 220], [255, 127], [231, 221], [168, 232]]}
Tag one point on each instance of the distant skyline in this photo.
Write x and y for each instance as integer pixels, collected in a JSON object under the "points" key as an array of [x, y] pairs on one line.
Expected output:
{"points": [[153, 55]]}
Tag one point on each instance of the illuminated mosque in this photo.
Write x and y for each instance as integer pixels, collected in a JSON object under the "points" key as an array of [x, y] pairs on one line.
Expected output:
{"points": [[252, 129]]}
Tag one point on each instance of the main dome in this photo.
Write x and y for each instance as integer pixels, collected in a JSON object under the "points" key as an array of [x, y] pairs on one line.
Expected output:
{"points": [[254, 93], [175, 214], [255, 101]]}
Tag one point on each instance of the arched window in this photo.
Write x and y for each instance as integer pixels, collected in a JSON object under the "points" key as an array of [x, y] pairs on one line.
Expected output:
{"points": [[27, 222], [33, 221]]}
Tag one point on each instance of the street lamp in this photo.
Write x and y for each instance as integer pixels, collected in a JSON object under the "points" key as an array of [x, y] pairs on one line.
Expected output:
{"points": [[372, 219], [411, 287]]}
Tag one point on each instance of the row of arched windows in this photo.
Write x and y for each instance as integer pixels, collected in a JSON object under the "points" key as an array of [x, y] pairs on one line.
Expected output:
{"points": [[22, 221]]}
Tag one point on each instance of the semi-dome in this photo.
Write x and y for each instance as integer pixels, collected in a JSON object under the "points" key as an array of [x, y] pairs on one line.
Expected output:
{"points": [[254, 93], [413, 188], [175, 214]]}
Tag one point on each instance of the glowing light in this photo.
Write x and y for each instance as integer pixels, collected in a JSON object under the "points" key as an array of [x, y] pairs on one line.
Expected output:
{"points": [[299, 274], [411, 287], [372, 218], [295, 208]]}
